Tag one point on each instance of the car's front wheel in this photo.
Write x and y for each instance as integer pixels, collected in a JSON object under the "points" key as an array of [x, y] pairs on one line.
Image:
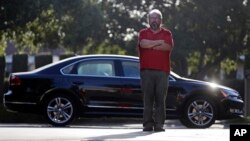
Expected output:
{"points": [[59, 110], [199, 112]]}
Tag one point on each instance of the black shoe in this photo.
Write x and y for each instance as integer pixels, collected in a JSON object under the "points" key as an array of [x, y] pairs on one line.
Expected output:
{"points": [[147, 129], [159, 129]]}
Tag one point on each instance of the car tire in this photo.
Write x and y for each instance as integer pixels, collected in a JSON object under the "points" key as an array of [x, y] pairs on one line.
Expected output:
{"points": [[199, 112], [60, 110]]}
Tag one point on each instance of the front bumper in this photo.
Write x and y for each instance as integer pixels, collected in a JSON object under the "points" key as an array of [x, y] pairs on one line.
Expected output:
{"points": [[232, 107]]}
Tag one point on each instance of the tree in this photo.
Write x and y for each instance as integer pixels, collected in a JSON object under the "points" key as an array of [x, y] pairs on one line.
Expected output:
{"points": [[50, 24], [31, 25], [208, 35], [83, 25], [219, 34]]}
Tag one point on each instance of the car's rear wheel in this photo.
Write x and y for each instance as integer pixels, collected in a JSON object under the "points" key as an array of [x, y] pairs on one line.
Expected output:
{"points": [[199, 112], [59, 110]]}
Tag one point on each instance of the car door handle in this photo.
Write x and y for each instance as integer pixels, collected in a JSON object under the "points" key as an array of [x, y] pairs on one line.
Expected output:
{"points": [[78, 82]]}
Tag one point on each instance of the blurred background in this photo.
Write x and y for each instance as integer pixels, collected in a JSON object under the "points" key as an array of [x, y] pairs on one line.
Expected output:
{"points": [[212, 38]]}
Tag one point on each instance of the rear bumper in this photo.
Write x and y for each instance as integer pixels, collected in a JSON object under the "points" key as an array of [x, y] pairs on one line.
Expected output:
{"points": [[13, 104]]}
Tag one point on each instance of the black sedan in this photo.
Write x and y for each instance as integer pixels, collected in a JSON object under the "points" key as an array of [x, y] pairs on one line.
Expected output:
{"points": [[109, 85]]}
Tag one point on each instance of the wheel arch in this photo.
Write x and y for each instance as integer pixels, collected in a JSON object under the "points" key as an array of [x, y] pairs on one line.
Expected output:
{"points": [[61, 91], [212, 95], [200, 95]]}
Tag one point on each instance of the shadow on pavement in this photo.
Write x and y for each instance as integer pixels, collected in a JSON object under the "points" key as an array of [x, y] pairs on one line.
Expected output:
{"points": [[123, 136]]}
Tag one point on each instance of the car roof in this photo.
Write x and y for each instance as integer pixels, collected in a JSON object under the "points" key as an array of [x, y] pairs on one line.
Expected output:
{"points": [[81, 57], [61, 63], [100, 56]]}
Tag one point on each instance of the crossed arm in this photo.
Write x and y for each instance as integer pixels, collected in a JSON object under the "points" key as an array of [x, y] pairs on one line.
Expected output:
{"points": [[155, 44]]}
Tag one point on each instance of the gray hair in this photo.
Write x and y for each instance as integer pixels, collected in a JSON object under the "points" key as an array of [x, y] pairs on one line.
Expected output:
{"points": [[158, 12]]}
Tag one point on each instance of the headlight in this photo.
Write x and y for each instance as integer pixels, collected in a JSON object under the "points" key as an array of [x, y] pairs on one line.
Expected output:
{"points": [[229, 93]]}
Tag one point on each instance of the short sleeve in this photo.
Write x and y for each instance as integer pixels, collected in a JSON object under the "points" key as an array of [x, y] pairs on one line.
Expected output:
{"points": [[169, 38], [142, 35]]}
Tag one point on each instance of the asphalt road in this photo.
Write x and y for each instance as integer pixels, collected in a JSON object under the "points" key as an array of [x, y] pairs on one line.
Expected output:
{"points": [[110, 129]]}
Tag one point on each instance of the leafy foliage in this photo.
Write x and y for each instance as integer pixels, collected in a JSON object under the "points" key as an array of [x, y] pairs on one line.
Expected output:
{"points": [[208, 35]]}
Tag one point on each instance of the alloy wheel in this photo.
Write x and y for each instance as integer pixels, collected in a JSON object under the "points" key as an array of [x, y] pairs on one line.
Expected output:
{"points": [[200, 112], [60, 110]]}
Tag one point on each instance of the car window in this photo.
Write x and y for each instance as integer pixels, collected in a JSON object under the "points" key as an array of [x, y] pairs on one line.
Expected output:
{"points": [[68, 70], [131, 69], [97, 68]]}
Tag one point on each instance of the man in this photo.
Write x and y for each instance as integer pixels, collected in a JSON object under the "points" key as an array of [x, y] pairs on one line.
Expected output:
{"points": [[155, 45]]}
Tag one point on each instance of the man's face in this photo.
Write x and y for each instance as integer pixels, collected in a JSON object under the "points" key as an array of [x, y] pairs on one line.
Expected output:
{"points": [[154, 21]]}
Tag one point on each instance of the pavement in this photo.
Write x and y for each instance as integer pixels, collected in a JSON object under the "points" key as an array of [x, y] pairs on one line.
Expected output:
{"points": [[111, 130], [85, 134]]}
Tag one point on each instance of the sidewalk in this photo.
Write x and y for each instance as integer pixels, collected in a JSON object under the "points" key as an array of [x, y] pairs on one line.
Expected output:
{"points": [[111, 130], [168, 135], [85, 134]]}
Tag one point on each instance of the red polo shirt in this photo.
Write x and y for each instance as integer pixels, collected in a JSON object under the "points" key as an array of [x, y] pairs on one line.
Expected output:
{"points": [[155, 59]]}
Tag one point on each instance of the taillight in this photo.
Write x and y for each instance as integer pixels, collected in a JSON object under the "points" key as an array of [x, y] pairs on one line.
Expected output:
{"points": [[15, 80]]}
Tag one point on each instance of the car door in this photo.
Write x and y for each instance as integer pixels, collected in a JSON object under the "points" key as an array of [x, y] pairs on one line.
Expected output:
{"points": [[130, 80], [97, 83], [171, 100]]}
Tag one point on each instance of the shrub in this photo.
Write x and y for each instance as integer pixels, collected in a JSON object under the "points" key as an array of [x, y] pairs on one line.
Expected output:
{"points": [[41, 60], [64, 56], [20, 63]]}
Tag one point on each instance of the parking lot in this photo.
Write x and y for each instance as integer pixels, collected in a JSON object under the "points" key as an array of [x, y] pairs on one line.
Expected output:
{"points": [[102, 129]]}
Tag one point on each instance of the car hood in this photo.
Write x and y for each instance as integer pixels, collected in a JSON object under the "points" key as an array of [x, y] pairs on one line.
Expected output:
{"points": [[212, 85]]}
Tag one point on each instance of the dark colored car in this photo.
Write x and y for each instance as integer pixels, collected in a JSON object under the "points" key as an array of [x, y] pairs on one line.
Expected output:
{"points": [[109, 85]]}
